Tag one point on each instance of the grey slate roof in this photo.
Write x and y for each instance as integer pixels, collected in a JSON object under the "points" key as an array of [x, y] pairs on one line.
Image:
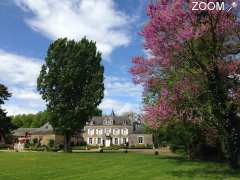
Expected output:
{"points": [[45, 129], [139, 130], [117, 120]]}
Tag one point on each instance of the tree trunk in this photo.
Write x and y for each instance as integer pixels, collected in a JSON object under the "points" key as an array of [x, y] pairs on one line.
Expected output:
{"points": [[232, 148], [67, 138], [156, 139], [233, 160]]}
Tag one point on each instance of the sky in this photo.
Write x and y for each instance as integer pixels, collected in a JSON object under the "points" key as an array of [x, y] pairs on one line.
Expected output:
{"points": [[29, 26]]}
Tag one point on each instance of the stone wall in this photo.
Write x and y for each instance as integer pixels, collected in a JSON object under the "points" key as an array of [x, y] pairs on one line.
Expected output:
{"points": [[134, 139], [58, 138]]}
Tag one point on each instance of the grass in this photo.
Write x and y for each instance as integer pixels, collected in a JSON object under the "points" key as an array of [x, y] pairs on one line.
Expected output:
{"points": [[107, 166]]}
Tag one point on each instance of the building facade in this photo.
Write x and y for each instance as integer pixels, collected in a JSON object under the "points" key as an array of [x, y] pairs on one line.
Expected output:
{"points": [[115, 130], [100, 130], [43, 135]]}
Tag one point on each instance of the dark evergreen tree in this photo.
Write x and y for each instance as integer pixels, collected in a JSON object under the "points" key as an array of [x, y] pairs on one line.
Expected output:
{"points": [[5, 122]]}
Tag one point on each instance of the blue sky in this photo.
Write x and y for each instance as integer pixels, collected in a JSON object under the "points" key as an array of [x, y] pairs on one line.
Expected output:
{"points": [[29, 26]]}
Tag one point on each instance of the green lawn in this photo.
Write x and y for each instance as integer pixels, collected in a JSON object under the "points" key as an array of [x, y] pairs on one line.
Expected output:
{"points": [[107, 166]]}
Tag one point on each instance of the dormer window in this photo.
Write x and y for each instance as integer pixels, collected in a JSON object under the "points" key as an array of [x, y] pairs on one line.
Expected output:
{"points": [[108, 122]]}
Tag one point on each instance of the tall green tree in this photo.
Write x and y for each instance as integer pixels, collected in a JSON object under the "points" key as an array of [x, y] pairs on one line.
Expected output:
{"points": [[5, 122], [71, 82]]}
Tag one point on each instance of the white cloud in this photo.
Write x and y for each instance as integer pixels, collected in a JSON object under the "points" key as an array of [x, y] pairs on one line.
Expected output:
{"points": [[118, 106], [121, 87], [25, 93], [16, 69], [121, 95], [19, 74], [98, 20], [15, 109]]}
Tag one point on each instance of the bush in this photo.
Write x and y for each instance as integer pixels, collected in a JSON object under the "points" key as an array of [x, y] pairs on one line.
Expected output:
{"points": [[92, 147], [4, 146], [156, 153], [115, 147], [61, 146], [101, 150], [55, 148], [175, 147], [37, 148], [79, 147], [51, 143], [34, 141], [149, 146], [141, 146], [27, 145], [83, 143]]}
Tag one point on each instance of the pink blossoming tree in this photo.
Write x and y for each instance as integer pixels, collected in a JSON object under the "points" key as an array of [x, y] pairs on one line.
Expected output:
{"points": [[193, 71]]}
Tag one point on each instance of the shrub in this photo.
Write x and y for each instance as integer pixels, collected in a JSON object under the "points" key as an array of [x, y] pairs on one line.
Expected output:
{"points": [[4, 146], [34, 141], [27, 145], [61, 146], [79, 147], [141, 146], [175, 147], [115, 147], [156, 153], [51, 143], [101, 150], [83, 143], [149, 146], [37, 148], [55, 148], [92, 147]]}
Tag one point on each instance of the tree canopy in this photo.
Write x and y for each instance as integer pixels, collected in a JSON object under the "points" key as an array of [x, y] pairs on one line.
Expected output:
{"points": [[30, 120], [71, 82], [193, 71], [5, 122]]}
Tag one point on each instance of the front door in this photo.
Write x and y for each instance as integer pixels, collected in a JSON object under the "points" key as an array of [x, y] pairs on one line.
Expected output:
{"points": [[108, 143]]}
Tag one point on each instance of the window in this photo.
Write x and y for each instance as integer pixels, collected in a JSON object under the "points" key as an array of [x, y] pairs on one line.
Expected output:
{"points": [[99, 131], [108, 122], [91, 131], [125, 131], [108, 131], [99, 141], [140, 140], [115, 140], [90, 141], [116, 131], [124, 140]]}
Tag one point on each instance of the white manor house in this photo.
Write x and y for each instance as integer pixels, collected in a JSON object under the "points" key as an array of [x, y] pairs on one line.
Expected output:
{"points": [[115, 130], [100, 131]]}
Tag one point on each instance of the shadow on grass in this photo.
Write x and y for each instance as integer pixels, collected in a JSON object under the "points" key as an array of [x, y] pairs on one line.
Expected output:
{"points": [[199, 168], [219, 174]]}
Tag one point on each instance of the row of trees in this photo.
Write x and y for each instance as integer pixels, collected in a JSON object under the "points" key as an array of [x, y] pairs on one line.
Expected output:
{"points": [[192, 76], [38, 119], [30, 120]]}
